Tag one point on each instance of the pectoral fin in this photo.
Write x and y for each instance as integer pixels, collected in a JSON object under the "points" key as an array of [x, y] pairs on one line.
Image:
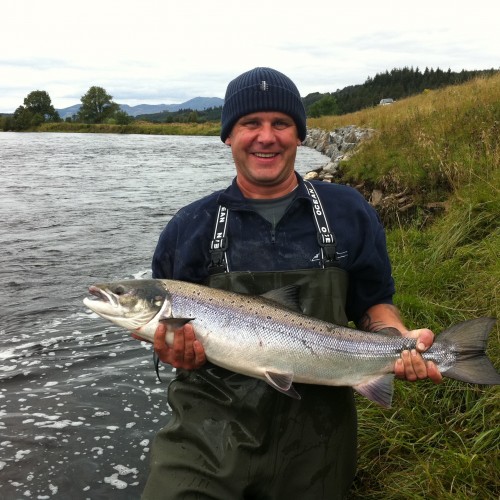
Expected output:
{"points": [[175, 323], [379, 389], [282, 382]]}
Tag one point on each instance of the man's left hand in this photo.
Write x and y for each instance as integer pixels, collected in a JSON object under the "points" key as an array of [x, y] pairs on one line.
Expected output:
{"points": [[412, 366]]}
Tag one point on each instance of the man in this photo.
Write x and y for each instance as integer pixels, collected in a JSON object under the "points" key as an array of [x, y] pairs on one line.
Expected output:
{"points": [[232, 436]]}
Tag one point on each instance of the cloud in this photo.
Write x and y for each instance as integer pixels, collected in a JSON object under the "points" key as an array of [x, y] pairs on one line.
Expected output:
{"points": [[158, 52]]}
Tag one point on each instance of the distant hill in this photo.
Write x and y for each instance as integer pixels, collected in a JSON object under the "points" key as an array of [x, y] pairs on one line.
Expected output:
{"points": [[397, 84], [196, 104]]}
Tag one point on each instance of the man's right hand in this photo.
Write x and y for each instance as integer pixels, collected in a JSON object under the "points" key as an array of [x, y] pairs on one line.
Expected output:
{"points": [[186, 352]]}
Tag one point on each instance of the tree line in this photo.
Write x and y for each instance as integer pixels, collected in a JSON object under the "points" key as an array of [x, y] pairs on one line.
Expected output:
{"points": [[396, 84], [212, 114], [98, 107]]}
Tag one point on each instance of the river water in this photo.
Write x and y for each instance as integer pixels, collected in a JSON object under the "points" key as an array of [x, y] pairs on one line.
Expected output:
{"points": [[79, 399]]}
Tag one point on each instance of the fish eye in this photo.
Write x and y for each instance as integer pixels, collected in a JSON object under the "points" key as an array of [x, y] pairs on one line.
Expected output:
{"points": [[157, 301], [120, 290]]}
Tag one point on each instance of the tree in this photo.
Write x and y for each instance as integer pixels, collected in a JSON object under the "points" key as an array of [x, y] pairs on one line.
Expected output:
{"points": [[123, 118], [97, 106], [38, 103], [327, 105], [22, 119]]}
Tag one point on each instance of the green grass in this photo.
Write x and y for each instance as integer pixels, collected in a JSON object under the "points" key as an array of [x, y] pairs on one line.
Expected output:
{"points": [[438, 442], [208, 128], [433, 143]]}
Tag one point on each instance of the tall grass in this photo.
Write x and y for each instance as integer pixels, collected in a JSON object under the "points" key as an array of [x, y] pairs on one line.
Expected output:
{"points": [[437, 441], [208, 128], [432, 143]]}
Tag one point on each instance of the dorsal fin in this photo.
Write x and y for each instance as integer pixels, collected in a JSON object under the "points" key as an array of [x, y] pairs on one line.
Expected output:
{"points": [[286, 296]]}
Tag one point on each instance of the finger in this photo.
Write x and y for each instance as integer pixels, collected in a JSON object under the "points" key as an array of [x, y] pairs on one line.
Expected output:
{"points": [[189, 338], [199, 354], [425, 339], [433, 372], [159, 338], [418, 364], [409, 372], [163, 350], [399, 368], [177, 351]]}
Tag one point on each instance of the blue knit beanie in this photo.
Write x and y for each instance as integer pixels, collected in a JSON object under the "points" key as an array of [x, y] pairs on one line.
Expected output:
{"points": [[262, 89]]}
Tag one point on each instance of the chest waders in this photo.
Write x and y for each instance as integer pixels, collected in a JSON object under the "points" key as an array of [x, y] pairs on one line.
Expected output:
{"points": [[234, 437]]}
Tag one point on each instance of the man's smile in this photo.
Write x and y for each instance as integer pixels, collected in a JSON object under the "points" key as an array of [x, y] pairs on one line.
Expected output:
{"points": [[265, 155]]}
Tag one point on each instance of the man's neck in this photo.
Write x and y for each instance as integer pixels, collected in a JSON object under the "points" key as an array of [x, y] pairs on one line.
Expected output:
{"points": [[267, 192]]}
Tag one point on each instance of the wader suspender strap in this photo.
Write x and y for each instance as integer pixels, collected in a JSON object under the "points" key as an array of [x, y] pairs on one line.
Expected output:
{"points": [[326, 238], [218, 245]]}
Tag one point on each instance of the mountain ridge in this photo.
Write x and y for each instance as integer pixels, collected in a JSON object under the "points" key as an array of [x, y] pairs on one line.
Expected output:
{"points": [[196, 104]]}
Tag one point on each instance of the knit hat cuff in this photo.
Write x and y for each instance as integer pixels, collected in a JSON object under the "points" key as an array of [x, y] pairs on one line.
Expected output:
{"points": [[262, 89]]}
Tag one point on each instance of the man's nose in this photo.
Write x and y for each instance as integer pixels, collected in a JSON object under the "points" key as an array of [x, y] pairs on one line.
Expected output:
{"points": [[266, 133]]}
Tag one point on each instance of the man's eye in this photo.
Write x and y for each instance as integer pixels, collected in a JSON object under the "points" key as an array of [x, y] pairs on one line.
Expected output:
{"points": [[281, 124]]}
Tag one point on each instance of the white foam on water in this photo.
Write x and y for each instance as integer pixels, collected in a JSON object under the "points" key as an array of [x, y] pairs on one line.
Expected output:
{"points": [[114, 481]]}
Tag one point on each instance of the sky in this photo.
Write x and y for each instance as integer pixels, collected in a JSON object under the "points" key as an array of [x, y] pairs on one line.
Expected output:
{"points": [[170, 51]]}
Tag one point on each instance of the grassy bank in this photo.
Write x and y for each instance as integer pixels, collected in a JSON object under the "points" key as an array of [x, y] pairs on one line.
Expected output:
{"points": [[209, 128], [437, 441]]}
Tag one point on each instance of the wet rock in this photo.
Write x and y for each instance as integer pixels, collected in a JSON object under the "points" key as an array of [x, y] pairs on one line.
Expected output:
{"points": [[337, 145]]}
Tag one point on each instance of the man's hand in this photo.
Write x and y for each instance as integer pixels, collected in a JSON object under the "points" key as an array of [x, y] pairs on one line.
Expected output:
{"points": [[412, 366], [186, 352]]}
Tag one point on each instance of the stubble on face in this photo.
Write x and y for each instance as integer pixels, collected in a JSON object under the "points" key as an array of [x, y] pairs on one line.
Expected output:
{"points": [[264, 147]]}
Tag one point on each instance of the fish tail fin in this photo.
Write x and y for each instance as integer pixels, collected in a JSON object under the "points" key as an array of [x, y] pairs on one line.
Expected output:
{"points": [[469, 340]]}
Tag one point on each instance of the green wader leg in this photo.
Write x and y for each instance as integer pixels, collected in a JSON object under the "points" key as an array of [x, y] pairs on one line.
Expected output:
{"points": [[218, 445], [233, 437]]}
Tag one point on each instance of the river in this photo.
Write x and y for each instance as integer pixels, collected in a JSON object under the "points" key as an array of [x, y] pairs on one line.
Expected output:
{"points": [[79, 399]]}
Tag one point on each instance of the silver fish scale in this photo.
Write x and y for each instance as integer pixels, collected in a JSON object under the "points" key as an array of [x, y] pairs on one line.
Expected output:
{"points": [[259, 338], [316, 350]]}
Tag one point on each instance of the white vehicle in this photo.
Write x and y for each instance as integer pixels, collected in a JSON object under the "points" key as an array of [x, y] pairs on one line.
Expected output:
{"points": [[385, 102]]}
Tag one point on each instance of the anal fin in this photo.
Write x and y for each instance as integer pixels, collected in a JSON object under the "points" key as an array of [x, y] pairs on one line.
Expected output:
{"points": [[282, 382], [379, 389]]}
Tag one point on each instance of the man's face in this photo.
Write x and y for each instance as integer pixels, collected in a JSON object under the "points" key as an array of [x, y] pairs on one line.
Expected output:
{"points": [[264, 146]]}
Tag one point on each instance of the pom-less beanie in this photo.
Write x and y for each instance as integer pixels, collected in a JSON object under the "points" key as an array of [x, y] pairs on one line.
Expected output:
{"points": [[262, 89]]}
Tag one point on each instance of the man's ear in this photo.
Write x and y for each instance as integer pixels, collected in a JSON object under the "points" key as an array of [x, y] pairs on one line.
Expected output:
{"points": [[227, 142]]}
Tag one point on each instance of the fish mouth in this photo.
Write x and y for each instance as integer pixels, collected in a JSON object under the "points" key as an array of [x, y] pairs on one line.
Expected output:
{"points": [[100, 298]]}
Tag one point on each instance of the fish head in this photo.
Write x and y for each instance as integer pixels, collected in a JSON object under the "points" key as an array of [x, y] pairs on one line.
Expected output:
{"points": [[131, 304]]}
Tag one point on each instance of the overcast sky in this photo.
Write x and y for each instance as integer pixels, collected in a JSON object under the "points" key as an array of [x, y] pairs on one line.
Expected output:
{"points": [[169, 51]]}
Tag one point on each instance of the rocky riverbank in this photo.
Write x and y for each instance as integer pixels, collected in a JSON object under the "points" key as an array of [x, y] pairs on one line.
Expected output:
{"points": [[337, 145], [340, 144]]}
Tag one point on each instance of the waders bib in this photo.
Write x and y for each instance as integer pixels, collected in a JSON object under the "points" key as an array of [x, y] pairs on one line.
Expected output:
{"points": [[234, 437]]}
